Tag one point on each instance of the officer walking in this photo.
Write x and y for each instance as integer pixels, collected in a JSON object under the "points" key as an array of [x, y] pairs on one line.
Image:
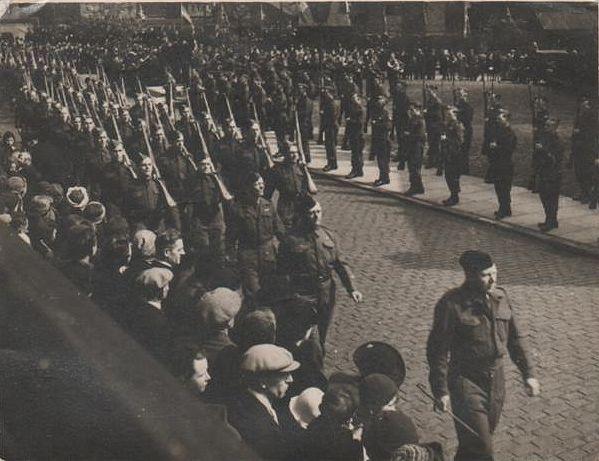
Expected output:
{"points": [[474, 327]]}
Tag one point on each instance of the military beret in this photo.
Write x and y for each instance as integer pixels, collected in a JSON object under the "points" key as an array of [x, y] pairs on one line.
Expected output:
{"points": [[77, 197], [378, 357], [219, 306], [377, 390], [155, 277], [475, 260], [268, 358], [389, 431], [16, 184]]}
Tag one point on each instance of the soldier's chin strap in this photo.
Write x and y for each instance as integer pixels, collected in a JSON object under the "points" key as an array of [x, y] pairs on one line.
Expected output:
{"points": [[422, 389]]}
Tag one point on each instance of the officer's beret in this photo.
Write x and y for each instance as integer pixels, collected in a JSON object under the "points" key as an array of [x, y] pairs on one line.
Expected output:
{"points": [[475, 260], [219, 306], [307, 202], [377, 390], [155, 277], [389, 431], [268, 358], [378, 357]]}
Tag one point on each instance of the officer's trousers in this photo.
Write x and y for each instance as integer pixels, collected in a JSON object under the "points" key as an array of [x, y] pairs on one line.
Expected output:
{"points": [[382, 150], [503, 190], [330, 144], [356, 144], [549, 194], [478, 402]]}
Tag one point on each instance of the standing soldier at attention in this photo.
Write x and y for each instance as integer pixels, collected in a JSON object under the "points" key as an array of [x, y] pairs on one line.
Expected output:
{"points": [[401, 103], [415, 140], [502, 144], [330, 126], [452, 141], [474, 327], [353, 124], [381, 144], [465, 116], [549, 153], [305, 107]]}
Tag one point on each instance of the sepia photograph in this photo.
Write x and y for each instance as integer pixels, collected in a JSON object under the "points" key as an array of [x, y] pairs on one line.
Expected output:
{"points": [[299, 231]]}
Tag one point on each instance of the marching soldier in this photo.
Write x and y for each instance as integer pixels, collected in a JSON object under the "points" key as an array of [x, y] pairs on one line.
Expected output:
{"points": [[179, 169], [549, 152], [308, 255], [256, 226], [452, 141], [117, 179], [381, 144], [415, 140], [475, 325], [501, 166], [353, 126], [148, 203]]}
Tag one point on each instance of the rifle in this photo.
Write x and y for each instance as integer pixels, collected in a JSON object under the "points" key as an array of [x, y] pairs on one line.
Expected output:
{"points": [[270, 162], [159, 121], [127, 162], [211, 122], [170, 201], [236, 131], [302, 161]]}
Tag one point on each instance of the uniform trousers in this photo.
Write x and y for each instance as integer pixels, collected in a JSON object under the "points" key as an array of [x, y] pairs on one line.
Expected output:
{"points": [[330, 144], [549, 194], [382, 150], [414, 158], [503, 190], [356, 144]]}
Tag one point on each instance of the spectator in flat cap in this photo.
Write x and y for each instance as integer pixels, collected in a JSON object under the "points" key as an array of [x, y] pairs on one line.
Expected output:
{"points": [[267, 370], [389, 431], [334, 435]]}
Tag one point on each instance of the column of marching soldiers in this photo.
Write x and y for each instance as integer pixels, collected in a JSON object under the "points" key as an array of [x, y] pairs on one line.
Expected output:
{"points": [[159, 207]]}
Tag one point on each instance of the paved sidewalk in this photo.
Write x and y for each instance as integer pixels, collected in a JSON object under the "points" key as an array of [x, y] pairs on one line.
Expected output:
{"points": [[578, 225]]}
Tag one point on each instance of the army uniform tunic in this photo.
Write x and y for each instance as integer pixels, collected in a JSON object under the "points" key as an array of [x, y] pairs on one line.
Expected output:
{"points": [[308, 258], [381, 144], [354, 124], [288, 178], [415, 138], [549, 153], [476, 331], [146, 207], [501, 166]]}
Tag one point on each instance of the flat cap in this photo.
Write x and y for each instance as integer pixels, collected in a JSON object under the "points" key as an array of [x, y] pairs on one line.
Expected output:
{"points": [[156, 277], [219, 306], [475, 260], [268, 358]]}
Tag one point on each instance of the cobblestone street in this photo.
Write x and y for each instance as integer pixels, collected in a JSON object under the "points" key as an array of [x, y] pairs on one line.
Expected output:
{"points": [[405, 257]]}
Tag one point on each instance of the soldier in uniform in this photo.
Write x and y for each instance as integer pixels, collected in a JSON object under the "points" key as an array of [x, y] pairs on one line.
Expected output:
{"points": [[353, 126], [415, 140], [288, 178], [308, 255], [148, 204], [255, 228], [474, 324], [549, 152], [434, 122], [502, 144], [452, 141], [305, 108], [117, 179], [465, 116], [400, 120], [207, 223], [584, 150], [381, 143], [330, 125]]}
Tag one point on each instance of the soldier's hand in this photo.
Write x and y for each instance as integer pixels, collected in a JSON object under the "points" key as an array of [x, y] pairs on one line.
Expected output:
{"points": [[357, 296], [442, 404], [533, 387]]}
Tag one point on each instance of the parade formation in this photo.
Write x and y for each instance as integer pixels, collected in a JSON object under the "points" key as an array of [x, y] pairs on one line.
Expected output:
{"points": [[141, 170]]}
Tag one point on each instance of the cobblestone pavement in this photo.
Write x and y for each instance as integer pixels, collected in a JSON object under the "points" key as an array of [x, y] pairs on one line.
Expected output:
{"points": [[405, 257]]}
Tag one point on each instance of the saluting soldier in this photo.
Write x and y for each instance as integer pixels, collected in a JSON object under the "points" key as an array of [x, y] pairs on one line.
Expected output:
{"points": [[474, 327], [415, 140], [353, 126], [148, 204], [501, 166], [330, 126], [381, 143], [549, 153], [256, 226], [308, 255]]}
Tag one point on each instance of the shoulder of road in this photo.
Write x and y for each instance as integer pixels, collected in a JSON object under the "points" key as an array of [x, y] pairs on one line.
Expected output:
{"points": [[578, 229]]}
